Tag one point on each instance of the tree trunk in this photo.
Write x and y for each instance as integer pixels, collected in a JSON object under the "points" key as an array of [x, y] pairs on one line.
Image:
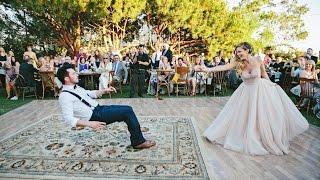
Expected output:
{"points": [[77, 35]]}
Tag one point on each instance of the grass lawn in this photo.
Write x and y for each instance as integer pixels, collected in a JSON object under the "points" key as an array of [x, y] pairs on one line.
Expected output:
{"points": [[8, 105]]}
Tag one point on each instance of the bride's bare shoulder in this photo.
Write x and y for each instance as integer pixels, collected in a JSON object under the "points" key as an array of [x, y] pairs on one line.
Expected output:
{"points": [[257, 59]]}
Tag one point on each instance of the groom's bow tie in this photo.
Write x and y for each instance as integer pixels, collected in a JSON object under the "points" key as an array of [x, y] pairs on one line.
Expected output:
{"points": [[75, 86]]}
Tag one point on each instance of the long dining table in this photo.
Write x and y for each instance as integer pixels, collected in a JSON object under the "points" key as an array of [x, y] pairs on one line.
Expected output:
{"points": [[90, 79]]}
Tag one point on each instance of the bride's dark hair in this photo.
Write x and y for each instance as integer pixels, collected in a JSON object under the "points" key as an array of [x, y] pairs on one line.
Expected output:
{"points": [[240, 64]]}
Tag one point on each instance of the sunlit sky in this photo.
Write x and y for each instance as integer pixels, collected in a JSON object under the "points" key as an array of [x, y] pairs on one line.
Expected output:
{"points": [[312, 25], [311, 20]]}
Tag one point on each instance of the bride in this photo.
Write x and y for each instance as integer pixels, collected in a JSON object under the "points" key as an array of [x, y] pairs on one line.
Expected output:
{"points": [[259, 117]]}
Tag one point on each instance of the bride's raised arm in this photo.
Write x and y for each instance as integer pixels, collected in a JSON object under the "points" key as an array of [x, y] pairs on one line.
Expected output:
{"points": [[222, 67]]}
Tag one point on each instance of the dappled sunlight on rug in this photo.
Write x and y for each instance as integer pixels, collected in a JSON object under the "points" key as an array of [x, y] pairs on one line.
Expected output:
{"points": [[49, 148]]}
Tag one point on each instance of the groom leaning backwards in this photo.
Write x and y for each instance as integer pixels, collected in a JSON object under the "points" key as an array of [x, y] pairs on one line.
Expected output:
{"points": [[79, 109]]}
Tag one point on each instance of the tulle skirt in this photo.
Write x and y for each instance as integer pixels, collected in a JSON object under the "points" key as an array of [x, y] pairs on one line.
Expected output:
{"points": [[258, 119]]}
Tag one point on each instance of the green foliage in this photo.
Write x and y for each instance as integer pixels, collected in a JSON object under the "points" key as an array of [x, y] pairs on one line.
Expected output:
{"points": [[129, 9], [189, 25], [63, 21], [217, 27], [7, 105], [185, 20]]}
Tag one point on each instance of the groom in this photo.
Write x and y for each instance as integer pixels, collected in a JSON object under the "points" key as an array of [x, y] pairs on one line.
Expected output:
{"points": [[79, 109]]}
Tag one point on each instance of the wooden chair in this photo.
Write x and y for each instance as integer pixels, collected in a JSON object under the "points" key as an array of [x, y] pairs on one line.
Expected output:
{"points": [[219, 79], [163, 82], [182, 80], [109, 82], [115, 84], [307, 91], [21, 85], [47, 81], [286, 83], [200, 76]]}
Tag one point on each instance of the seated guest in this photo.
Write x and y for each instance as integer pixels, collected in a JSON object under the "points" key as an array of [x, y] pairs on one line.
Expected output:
{"points": [[217, 61], [297, 68], [197, 76], [179, 63], [272, 61], [83, 65], [308, 73], [153, 80], [155, 58], [173, 61], [268, 57], [164, 76], [28, 71], [105, 78], [165, 65], [92, 63], [288, 65], [120, 71], [187, 62], [277, 69], [278, 65]]}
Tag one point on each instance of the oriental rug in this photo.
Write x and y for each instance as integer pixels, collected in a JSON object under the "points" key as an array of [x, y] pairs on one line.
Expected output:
{"points": [[50, 149]]}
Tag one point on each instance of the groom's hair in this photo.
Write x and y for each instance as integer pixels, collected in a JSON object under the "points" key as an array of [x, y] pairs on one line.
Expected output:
{"points": [[62, 72]]}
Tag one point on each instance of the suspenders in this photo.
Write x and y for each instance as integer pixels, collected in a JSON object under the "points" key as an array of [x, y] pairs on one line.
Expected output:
{"points": [[82, 100]]}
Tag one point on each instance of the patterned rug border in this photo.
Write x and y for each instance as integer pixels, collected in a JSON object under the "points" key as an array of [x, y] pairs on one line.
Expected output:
{"points": [[32, 124], [199, 141]]}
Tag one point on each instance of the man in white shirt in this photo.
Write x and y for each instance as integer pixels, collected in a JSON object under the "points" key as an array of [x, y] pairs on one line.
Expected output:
{"points": [[155, 58], [79, 109]]}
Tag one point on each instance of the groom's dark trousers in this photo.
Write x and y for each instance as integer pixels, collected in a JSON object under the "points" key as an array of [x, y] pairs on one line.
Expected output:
{"points": [[119, 113]]}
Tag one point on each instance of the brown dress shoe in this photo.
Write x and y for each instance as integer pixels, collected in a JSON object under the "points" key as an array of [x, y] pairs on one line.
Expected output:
{"points": [[145, 145]]}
